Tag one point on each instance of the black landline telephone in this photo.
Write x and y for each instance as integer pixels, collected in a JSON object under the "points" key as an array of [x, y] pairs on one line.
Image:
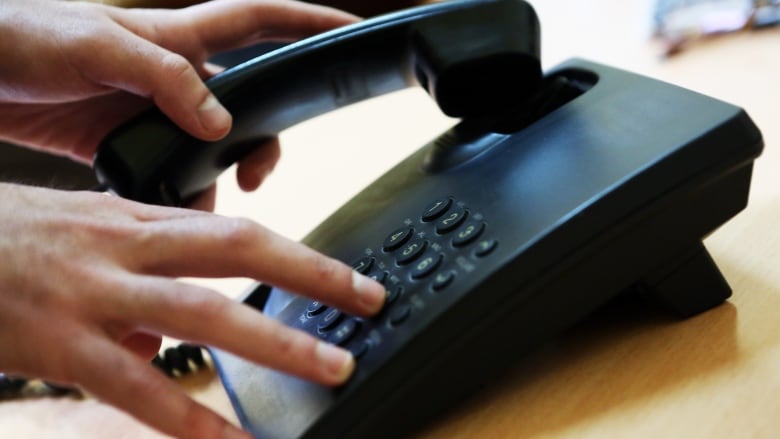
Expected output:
{"points": [[554, 194]]}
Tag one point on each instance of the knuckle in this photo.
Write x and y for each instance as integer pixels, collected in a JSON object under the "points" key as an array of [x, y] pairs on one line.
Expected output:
{"points": [[239, 233], [174, 67], [328, 271], [206, 306]]}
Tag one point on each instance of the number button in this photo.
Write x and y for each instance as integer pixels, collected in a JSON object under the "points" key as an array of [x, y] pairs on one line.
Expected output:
{"points": [[411, 251], [436, 209], [363, 265], [426, 266], [329, 319], [397, 238], [468, 233], [451, 220]]}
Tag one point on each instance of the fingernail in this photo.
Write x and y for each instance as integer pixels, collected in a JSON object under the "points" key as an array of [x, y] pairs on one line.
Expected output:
{"points": [[338, 362], [232, 432], [213, 116], [370, 293]]}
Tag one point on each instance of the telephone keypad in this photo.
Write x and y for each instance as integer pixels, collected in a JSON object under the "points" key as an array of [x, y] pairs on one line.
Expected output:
{"points": [[423, 259]]}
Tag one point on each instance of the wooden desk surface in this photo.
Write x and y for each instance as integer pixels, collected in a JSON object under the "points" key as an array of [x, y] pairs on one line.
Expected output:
{"points": [[626, 372]]}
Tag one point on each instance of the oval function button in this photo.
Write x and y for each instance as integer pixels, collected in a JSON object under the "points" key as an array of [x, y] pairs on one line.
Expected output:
{"points": [[399, 314], [315, 308], [344, 332], [485, 247], [436, 209], [360, 349], [442, 280]]}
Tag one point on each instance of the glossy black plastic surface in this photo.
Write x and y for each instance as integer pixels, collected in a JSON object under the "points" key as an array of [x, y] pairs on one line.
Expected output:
{"points": [[472, 56], [610, 191]]}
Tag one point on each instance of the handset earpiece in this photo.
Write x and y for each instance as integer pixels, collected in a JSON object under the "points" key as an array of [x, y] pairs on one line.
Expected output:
{"points": [[472, 56]]}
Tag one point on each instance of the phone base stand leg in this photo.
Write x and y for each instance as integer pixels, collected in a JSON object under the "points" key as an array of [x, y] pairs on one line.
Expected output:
{"points": [[690, 284]]}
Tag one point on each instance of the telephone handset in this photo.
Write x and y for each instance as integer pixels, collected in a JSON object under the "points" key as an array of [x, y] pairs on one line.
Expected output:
{"points": [[512, 226], [442, 47]]}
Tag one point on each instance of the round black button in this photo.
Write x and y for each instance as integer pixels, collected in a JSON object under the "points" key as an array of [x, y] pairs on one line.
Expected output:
{"points": [[378, 275], [360, 349], [344, 332], [363, 265], [315, 308], [468, 233], [399, 314], [329, 319], [411, 251], [442, 280], [436, 209], [485, 247], [426, 265], [393, 294], [397, 238], [451, 220]]}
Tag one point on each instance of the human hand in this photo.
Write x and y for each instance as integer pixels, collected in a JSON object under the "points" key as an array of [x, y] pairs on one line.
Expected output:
{"points": [[73, 71], [87, 288]]}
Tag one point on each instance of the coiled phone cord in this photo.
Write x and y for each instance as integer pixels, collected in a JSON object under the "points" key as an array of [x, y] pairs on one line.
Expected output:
{"points": [[175, 361]]}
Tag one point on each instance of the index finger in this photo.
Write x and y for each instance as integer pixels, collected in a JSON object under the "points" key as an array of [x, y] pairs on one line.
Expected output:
{"points": [[215, 246], [229, 24]]}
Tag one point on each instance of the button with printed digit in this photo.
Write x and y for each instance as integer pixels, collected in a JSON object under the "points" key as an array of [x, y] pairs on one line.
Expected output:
{"points": [[363, 265], [329, 319], [411, 251], [378, 275], [451, 220], [426, 265], [397, 238], [436, 209], [468, 233], [393, 294]]}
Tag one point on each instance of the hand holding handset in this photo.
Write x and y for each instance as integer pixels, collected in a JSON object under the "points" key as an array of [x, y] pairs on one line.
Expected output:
{"points": [[468, 68]]}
